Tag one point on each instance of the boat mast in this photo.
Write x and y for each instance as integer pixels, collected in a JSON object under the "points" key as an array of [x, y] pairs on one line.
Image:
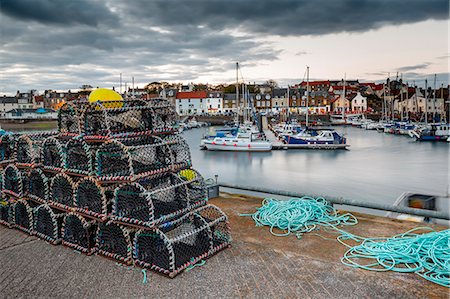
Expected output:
{"points": [[426, 104], [344, 97], [238, 104], [401, 95], [287, 106], [307, 94], [434, 99]]}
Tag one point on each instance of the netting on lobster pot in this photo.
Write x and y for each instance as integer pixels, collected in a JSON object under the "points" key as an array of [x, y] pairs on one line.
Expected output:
{"points": [[115, 117], [136, 156], [69, 119], [61, 191], [48, 223], [12, 181], [79, 234], [7, 148], [5, 214], [179, 148], [37, 185], [53, 155], [29, 148], [177, 244], [90, 198], [23, 216], [164, 117], [219, 225], [114, 241], [78, 156]]}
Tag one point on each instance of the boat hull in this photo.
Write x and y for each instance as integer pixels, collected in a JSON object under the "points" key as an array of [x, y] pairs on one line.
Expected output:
{"points": [[259, 147]]}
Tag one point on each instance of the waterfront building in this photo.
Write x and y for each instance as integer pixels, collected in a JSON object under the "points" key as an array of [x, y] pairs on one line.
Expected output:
{"points": [[214, 102], [22, 100], [359, 103], [229, 102], [263, 102], [170, 94], [280, 101], [30, 114], [191, 102]]}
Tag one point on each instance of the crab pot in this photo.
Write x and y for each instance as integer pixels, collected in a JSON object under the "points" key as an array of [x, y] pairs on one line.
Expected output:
{"points": [[78, 156], [153, 200], [114, 241], [179, 148], [79, 234], [7, 148], [91, 199], [12, 181], [53, 155], [69, 119], [23, 216], [61, 191], [37, 183], [128, 157], [48, 223], [175, 245], [112, 117]]}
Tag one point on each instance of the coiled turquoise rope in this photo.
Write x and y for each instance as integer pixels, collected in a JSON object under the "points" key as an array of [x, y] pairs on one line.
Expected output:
{"points": [[426, 254]]}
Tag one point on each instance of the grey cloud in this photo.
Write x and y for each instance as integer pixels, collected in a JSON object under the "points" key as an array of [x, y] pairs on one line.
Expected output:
{"points": [[413, 67], [300, 53], [290, 17], [59, 12]]}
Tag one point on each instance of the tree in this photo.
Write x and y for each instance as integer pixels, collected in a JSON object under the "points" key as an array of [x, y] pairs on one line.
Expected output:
{"points": [[272, 83]]}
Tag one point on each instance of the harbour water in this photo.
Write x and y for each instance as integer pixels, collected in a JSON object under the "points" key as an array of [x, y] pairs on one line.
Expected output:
{"points": [[377, 167]]}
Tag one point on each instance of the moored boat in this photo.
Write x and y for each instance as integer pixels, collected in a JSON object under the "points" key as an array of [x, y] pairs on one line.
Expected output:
{"points": [[324, 137], [433, 132], [236, 144]]}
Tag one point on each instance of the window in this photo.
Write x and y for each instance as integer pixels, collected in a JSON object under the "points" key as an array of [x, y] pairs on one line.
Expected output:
{"points": [[201, 100], [218, 106], [189, 100], [179, 101]]}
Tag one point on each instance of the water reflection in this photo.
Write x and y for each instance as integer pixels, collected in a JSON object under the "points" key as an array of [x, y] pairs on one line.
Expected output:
{"points": [[377, 167]]}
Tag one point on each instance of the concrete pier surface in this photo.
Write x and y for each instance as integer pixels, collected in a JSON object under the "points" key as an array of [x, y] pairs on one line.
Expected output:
{"points": [[258, 265]]}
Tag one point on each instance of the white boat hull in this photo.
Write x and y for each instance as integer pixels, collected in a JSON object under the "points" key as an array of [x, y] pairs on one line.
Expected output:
{"points": [[238, 147]]}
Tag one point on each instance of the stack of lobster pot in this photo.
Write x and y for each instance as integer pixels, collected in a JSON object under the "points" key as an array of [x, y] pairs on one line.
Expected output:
{"points": [[114, 180]]}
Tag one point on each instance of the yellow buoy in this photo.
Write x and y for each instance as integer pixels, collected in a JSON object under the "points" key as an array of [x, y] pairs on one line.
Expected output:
{"points": [[107, 97], [187, 174]]}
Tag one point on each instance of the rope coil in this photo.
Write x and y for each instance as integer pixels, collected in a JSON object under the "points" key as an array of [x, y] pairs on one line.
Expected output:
{"points": [[426, 254]]}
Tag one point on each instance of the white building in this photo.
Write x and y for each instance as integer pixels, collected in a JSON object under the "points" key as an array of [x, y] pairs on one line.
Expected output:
{"points": [[19, 101], [191, 103], [214, 102], [359, 103]]}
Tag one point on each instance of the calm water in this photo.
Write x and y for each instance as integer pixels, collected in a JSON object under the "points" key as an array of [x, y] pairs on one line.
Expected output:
{"points": [[378, 167]]}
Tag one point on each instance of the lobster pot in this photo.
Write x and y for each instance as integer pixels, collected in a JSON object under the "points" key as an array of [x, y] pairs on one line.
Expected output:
{"points": [[37, 183], [69, 119], [115, 117], [180, 151], [5, 215], [79, 234], [114, 241], [61, 191], [12, 181], [164, 117], [91, 199], [136, 156], [53, 155], [175, 245], [78, 156], [23, 216], [28, 151], [7, 148], [153, 200], [48, 223]]}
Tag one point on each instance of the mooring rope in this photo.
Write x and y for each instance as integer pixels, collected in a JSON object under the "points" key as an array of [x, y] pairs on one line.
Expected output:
{"points": [[426, 254]]}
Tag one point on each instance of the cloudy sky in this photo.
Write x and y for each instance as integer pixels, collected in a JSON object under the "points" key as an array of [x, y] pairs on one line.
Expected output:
{"points": [[63, 44]]}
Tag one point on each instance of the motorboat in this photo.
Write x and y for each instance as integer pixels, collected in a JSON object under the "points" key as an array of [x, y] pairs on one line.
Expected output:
{"points": [[324, 137], [432, 132], [236, 144]]}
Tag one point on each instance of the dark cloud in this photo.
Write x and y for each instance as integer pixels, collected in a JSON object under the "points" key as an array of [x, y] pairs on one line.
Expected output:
{"points": [[61, 12], [290, 17], [67, 43], [413, 67]]}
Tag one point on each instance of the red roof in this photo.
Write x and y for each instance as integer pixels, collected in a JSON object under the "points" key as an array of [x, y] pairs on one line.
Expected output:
{"points": [[191, 95], [346, 87], [371, 84], [312, 83]]}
